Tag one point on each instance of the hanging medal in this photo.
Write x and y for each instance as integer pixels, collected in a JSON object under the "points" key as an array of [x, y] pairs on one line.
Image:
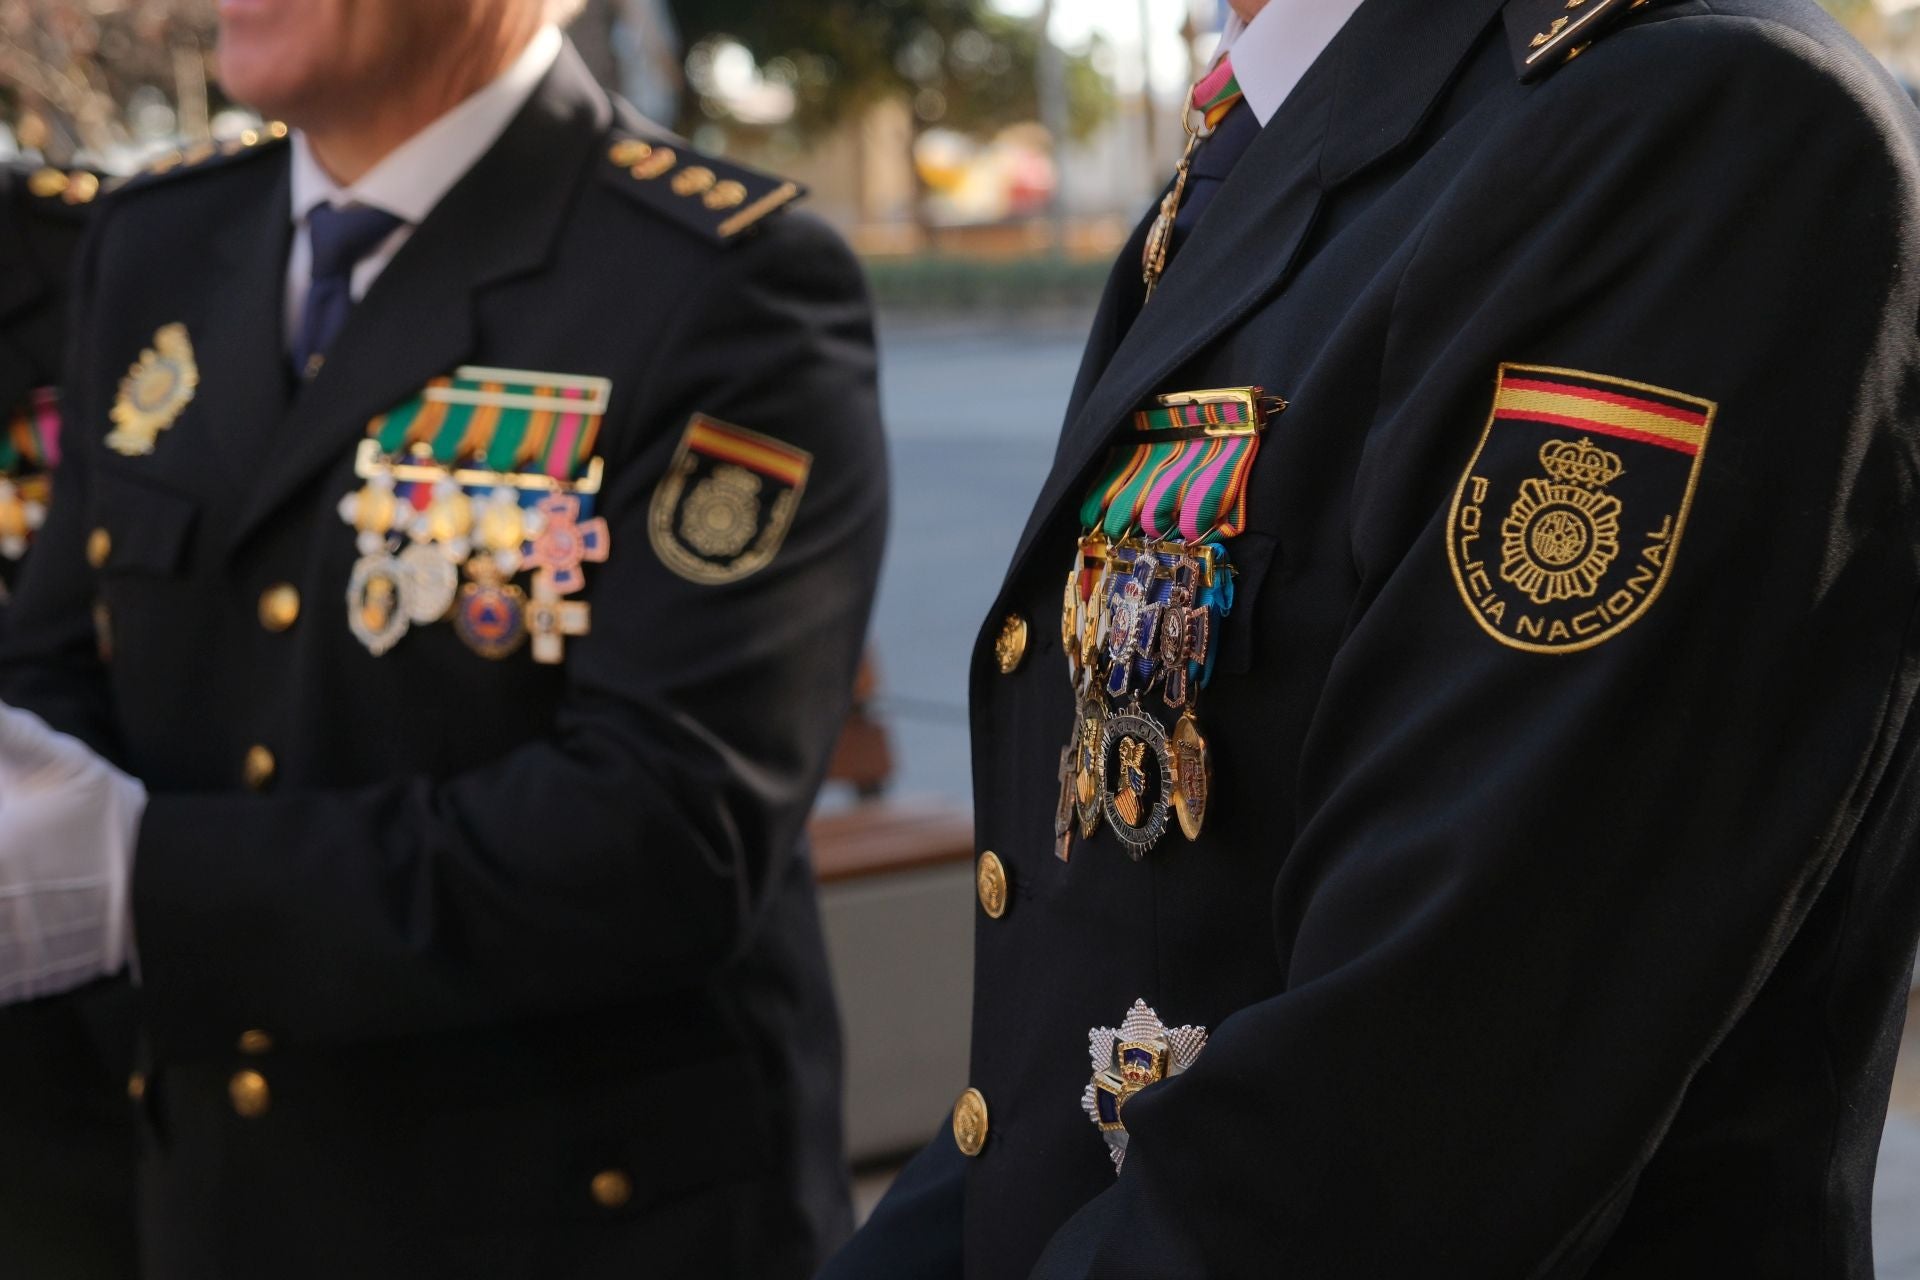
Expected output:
{"points": [[1142, 612]]}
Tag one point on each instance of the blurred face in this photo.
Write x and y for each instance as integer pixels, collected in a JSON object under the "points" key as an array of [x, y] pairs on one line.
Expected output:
{"points": [[1247, 8], [305, 61]]}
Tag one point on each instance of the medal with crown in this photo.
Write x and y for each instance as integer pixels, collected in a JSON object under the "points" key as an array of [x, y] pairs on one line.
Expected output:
{"points": [[1139, 1053]]}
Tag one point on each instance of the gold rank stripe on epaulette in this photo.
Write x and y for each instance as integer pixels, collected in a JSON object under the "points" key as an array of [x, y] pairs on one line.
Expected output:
{"points": [[67, 186], [704, 194], [1544, 34], [189, 159]]}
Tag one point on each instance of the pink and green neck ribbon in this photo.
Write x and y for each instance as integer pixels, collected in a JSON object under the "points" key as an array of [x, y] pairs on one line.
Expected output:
{"points": [[1217, 93]]}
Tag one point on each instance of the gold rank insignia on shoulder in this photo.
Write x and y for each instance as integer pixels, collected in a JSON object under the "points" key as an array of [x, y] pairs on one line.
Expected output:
{"points": [[1140, 1052], [155, 391], [1564, 527], [728, 499], [705, 194], [1544, 34], [488, 473]]}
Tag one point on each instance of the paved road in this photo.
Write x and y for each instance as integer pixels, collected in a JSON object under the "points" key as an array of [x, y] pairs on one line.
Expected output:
{"points": [[973, 412]]}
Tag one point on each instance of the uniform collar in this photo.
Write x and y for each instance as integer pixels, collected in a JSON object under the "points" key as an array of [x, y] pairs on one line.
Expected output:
{"points": [[501, 221], [414, 177], [1361, 101], [1272, 52]]}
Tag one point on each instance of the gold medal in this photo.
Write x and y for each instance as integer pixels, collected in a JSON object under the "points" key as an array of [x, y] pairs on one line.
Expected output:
{"points": [[1063, 812], [1192, 776], [376, 613], [1088, 767]]}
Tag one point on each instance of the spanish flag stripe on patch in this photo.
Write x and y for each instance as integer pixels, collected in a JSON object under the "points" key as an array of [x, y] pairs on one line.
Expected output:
{"points": [[1584, 412], [768, 457], [1678, 414], [1602, 429]]}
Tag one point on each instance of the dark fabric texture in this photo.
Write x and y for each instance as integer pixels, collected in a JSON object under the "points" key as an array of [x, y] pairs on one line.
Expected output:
{"points": [[508, 926], [1586, 962]]}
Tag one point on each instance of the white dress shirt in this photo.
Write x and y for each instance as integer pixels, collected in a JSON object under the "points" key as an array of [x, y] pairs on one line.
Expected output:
{"points": [[1272, 53], [413, 177]]}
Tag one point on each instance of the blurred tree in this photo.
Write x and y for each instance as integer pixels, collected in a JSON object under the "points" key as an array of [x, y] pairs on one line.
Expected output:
{"points": [[961, 64], [74, 72]]}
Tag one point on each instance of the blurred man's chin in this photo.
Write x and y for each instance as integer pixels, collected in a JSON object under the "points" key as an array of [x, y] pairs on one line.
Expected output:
{"points": [[251, 71]]}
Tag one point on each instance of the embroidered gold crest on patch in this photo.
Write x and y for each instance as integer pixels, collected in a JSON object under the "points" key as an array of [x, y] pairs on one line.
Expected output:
{"points": [[726, 503], [1565, 524], [154, 392]]}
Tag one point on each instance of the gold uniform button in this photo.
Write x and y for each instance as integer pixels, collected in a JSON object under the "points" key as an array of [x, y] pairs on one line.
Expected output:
{"points": [[612, 1188], [136, 1086], [99, 547], [82, 187], [259, 768], [970, 1122], [47, 183], [279, 606], [256, 1043], [1010, 650], [990, 879], [249, 1094]]}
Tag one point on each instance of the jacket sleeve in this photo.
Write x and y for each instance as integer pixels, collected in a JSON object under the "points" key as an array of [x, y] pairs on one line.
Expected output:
{"points": [[1530, 891], [49, 652], [630, 851]]}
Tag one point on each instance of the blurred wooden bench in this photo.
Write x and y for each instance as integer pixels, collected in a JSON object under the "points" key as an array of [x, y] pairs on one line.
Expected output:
{"points": [[897, 907], [878, 834]]}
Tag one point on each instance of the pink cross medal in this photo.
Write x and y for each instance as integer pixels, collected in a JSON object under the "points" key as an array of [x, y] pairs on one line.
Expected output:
{"points": [[565, 543]]}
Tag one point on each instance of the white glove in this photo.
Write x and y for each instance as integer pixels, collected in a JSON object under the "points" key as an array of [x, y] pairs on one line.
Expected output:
{"points": [[68, 821]]}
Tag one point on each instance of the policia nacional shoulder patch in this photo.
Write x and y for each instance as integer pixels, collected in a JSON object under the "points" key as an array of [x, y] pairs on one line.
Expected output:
{"points": [[726, 503], [1564, 527]]}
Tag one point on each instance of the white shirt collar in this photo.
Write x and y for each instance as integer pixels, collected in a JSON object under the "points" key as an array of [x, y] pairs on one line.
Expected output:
{"points": [[412, 178], [1272, 53]]}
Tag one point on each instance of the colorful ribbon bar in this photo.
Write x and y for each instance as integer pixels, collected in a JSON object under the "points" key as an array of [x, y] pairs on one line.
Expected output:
{"points": [[31, 441], [1216, 95], [1187, 477], [501, 420]]}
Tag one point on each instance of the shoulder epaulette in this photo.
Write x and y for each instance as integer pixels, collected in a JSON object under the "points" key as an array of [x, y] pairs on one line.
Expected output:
{"points": [[205, 156], [1545, 34], [57, 192], [712, 198]]}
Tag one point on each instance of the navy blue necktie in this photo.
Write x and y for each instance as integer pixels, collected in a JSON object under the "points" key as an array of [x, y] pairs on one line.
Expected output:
{"points": [[340, 239]]}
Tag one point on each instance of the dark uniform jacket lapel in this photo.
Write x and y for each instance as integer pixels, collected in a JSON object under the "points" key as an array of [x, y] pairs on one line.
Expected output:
{"points": [[244, 388], [416, 323], [1363, 99]]}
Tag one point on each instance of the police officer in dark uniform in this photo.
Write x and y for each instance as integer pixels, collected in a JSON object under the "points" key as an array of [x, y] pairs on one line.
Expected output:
{"points": [[1463, 821], [42, 215], [66, 1189], [470, 511]]}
